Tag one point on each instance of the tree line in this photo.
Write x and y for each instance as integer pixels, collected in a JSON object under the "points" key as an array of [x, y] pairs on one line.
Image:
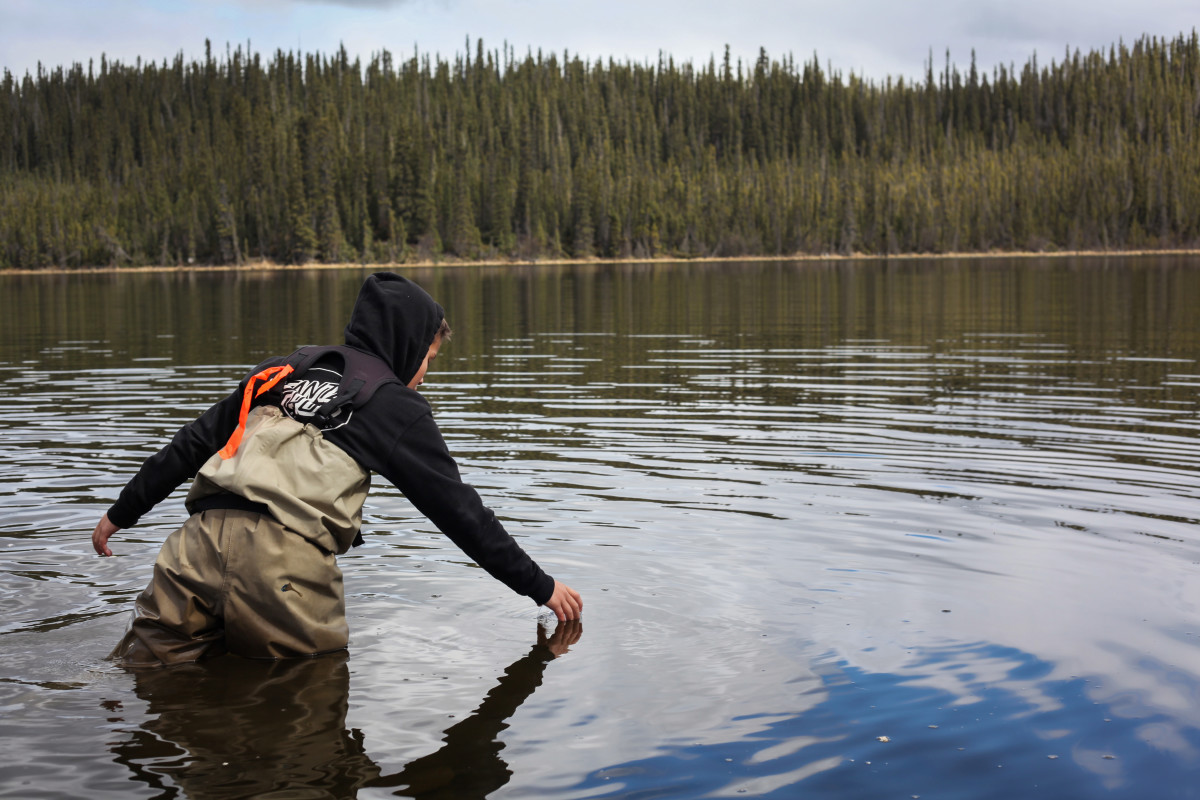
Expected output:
{"points": [[310, 157]]}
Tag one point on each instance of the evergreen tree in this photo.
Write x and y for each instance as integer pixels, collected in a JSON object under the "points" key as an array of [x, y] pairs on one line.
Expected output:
{"points": [[299, 157]]}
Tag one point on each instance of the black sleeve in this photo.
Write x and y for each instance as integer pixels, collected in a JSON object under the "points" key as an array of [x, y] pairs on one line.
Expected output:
{"points": [[420, 465], [163, 472]]}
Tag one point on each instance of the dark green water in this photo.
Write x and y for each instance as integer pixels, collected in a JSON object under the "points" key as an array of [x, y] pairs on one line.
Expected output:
{"points": [[918, 528]]}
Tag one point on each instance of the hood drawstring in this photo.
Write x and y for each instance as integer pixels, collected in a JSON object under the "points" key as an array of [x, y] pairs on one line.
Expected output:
{"points": [[272, 376]]}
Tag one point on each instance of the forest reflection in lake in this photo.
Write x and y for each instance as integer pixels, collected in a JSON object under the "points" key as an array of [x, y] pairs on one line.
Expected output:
{"points": [[858, 528]]}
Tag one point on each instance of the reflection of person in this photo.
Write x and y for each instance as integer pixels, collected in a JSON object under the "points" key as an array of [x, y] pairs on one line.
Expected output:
{"points": [[469, 764], [282, 469], [235, 727]]}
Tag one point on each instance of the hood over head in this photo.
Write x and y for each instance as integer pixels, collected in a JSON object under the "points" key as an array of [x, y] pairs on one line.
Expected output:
{"points": [[394, 319]]}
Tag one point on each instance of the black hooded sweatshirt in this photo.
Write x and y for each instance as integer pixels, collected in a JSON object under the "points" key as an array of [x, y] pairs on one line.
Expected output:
{"points": [[393, 434]]}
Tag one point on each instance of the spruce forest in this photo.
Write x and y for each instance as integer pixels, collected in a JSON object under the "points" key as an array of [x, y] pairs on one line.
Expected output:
{"points": [[302, 158]]}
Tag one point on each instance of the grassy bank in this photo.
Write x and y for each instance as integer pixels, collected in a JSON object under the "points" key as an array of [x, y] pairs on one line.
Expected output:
{"points": [[270, 266]]}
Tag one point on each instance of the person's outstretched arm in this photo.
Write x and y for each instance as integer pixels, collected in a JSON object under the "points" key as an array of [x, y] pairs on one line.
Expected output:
{"points": [[420, 465], [164, 471]]}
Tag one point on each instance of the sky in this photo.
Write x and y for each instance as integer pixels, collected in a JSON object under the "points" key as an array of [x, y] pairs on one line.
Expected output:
{"points": [[874, 39]]}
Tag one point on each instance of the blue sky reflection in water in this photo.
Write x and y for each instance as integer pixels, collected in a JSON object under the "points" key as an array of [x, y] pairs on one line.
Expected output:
{"points": [[1062, 744], [809, 506]]}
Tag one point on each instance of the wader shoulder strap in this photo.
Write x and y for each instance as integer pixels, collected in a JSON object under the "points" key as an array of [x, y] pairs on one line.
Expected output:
{"points": [[256, 385], [362, 375]]}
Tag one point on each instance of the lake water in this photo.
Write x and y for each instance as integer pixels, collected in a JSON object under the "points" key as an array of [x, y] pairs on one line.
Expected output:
{"points": [[847, 529]]}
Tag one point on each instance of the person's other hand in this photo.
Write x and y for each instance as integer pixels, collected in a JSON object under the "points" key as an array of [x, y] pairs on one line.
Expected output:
{"points": [[565, 602], [100, 536]]}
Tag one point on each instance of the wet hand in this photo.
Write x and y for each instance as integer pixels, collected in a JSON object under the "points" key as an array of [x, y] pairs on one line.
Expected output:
{"points": [[565, 602], [100, 536]]}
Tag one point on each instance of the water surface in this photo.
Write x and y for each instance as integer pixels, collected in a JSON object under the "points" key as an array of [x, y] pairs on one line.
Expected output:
{"points": [[854, 529]]}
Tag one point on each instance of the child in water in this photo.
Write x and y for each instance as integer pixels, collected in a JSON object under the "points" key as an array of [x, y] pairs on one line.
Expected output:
{"points": [[282, 467]]}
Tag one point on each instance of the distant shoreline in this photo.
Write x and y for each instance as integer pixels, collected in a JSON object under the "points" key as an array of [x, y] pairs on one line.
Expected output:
{"points": [[270, 266]]}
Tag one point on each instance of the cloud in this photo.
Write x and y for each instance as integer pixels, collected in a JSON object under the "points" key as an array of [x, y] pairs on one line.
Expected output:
{"points": [[873, 38], [358, 3]]}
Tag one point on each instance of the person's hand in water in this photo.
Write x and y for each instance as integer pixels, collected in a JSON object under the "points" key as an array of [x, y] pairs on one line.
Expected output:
{"points": [[565, 634], [100, 536], [565, 602]]}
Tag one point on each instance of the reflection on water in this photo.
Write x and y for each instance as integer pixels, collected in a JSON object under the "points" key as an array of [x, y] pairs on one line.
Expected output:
{"points": [[238, 728], [809, 505], [233, 727], [877, 735]]}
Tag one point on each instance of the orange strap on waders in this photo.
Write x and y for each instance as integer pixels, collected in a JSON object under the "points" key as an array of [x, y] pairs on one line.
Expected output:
{"points": [[272, 376]]}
